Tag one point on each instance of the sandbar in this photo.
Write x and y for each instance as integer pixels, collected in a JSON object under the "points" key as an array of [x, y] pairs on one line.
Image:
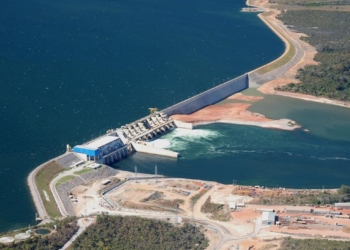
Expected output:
{"points": [[235, 113]]}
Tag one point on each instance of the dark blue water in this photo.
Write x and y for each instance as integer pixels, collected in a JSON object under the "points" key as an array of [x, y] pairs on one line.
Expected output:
{"points": [[71, 69]]}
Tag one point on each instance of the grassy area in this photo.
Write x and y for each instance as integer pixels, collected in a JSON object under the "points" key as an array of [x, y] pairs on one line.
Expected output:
{"points": [[303, 197], [196, 197], [64, 179], [269, 247], [179, 201], [42, 179], [281, 61], [84, 170], [334, 3], [313, 244], [219, 211]]}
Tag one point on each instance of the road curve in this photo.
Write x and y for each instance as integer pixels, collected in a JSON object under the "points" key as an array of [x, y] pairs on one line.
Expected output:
{"points": [[54, 190], [38, 202]]}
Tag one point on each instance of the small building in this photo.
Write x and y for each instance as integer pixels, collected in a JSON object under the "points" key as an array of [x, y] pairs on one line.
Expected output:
{"points": [[94, 166], [241, 204], [232, 205], [268, 218], [105, 182], [343, 205], [77, 164], [264, 210]]}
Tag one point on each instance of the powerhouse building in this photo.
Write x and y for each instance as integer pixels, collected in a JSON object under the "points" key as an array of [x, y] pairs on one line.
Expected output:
{"points": [[103, 150]]}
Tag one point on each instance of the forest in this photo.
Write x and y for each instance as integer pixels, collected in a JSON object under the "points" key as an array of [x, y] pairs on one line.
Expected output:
{"points": [[126, 233], [313, 244], [312, 3], [329, 33], [314, 198], [65, 230]]}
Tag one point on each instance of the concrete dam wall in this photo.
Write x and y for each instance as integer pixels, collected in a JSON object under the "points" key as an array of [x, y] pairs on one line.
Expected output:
{"points": [[209, 97]]}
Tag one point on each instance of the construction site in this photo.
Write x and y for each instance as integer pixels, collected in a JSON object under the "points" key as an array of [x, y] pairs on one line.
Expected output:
{"points": [[231, 208]]}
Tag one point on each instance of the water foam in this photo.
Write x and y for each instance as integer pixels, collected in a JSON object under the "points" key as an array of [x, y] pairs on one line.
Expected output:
{"points": [[334, 158], [161, 143], [183, 139]]}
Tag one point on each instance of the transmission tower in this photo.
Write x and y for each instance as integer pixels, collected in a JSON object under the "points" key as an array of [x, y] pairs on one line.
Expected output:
{"points": [[156, 172], [176, 220]]}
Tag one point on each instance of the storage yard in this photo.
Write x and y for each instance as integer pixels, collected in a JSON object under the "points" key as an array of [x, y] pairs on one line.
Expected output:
{"points": [[168, 195], [186, 197]]}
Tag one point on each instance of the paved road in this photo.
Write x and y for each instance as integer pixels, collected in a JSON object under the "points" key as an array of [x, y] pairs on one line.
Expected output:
{"points": [[54, 190], [223, 233], [40, 208], [256, 80], [83, 224]]}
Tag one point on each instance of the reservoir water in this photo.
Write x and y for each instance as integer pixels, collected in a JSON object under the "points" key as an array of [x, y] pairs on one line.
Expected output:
{"points": [[70, 70]]}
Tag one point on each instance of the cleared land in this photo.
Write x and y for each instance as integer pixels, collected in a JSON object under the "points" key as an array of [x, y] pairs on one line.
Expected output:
{"points": [[235, 113]]}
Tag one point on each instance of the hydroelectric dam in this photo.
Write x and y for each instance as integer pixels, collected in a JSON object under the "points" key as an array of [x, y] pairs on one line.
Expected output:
{"points": [[118, 143]]}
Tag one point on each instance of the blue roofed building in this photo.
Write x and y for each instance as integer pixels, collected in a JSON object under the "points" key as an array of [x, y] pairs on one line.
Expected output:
{"points": [[105, 150]]}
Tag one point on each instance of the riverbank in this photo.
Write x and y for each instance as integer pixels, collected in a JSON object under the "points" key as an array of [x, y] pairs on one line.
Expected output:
{"points": [[288, 37], [235, 113]]}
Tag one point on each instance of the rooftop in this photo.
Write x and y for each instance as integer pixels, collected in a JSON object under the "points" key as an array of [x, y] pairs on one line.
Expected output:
{"points": [[102, 141], [268, 216]]}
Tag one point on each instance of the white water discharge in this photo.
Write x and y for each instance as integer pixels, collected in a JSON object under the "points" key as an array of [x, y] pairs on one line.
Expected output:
{"points": [[181, 139]]}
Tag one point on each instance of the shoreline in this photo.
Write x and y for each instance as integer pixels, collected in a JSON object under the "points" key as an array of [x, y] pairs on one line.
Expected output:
{"points": [[36, 198], [234, 113], [234, 110], [283, 38], [281, 124], [289, 76]]}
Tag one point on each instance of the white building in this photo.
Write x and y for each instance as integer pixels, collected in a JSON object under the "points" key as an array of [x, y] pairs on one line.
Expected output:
{"points": [[345, 205], [268, 218], [232, 205]]}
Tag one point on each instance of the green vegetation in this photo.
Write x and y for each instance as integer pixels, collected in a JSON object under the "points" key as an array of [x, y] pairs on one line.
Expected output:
{"points": [[312, 2], [179, 201], [218, 211], [269, 247], [84, 170], [65, 230], [313, 244], [329, 32], [64, 179], [196, 197], [126, 233], [308, 197], [43, 179]]}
